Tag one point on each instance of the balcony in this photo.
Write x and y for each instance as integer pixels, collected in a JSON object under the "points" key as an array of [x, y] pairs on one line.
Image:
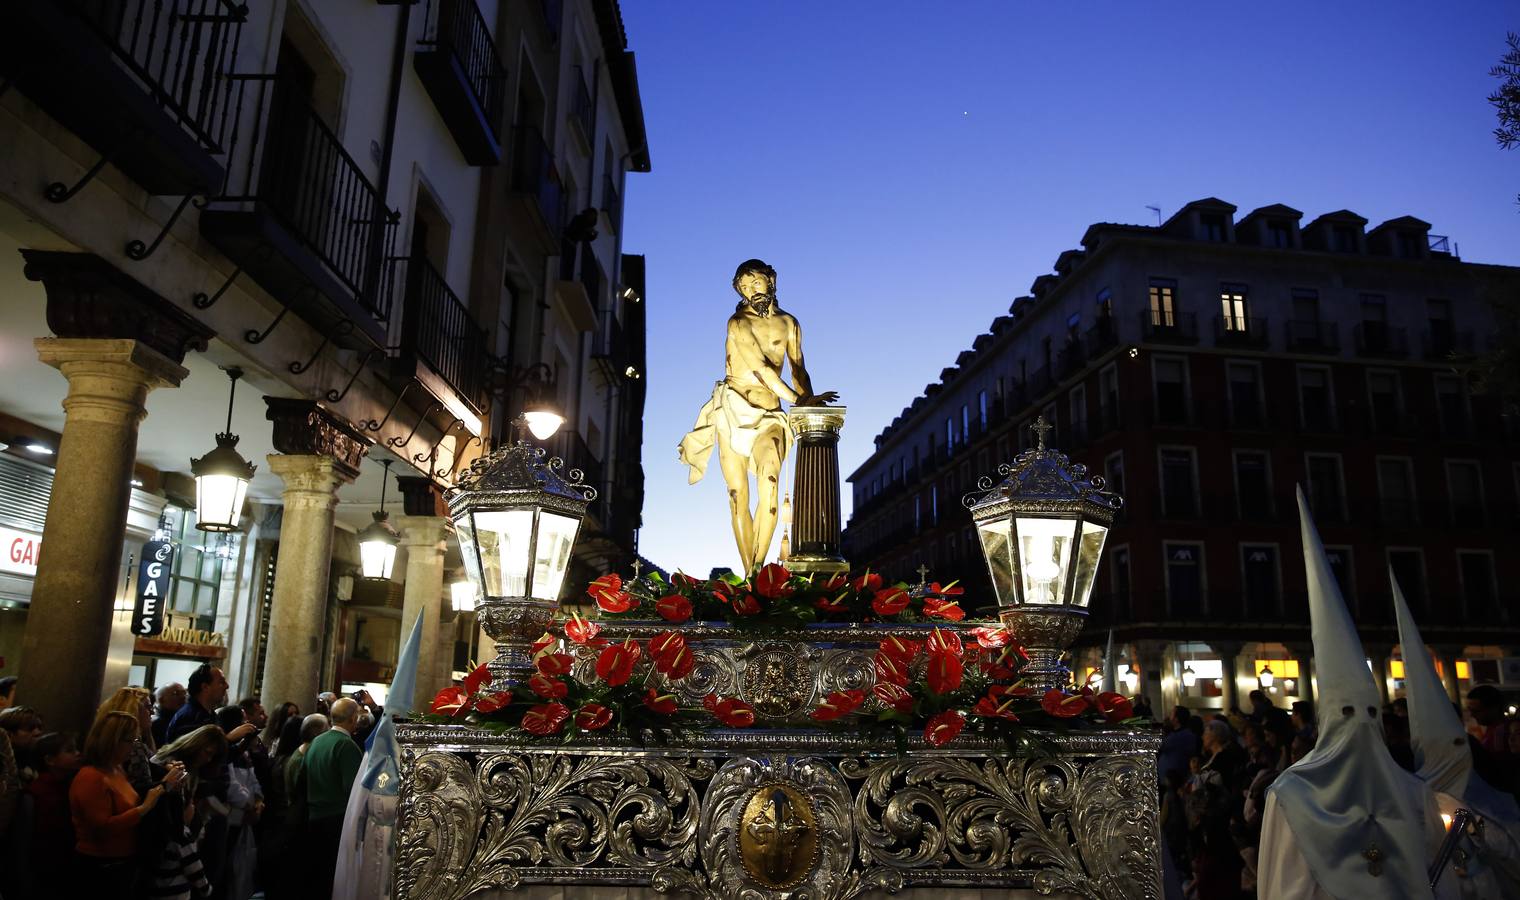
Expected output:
{"points": [[568, 445], [1071, 359], [1102, 337], [612, 202], [1240, 331], [1310, 336], [610, 348], [302, 220], [438, 330], [145, 84], [1160, 327], [462, 73], [1444, 343], [536, 187], [579, 285], [1377, 339]]}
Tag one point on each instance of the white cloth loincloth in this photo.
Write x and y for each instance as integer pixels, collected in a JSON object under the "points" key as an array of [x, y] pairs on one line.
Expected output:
{"points": [[729, 417]]}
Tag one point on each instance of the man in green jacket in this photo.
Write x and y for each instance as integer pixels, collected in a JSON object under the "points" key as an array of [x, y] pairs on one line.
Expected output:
{"points": [[330, 766]]}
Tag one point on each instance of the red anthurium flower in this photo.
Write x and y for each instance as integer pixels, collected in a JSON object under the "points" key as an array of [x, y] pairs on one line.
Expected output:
{"points": [[746, 605], [608, 593], [997, 704], [672, 658], [615, 663], [867, 582], [1063, 705], [891, 670], [666, 642], [683, 581], [665, 704], [451, 701], [733, 712], [832, 606], [545, 718], [943, 609], [893, 696], [943, 728], [1020, 689], [836, 581], [837, 704], [544, 642], [990, 636], [710, 702], [1115, 707], [942, 641], [546, 687], [593, 717], [950, 590], [673, 608], [477, 679], [492, 702], [900, 649], [581, 631], [944, 672], [889, 601], [770, 581], [554, 664]]}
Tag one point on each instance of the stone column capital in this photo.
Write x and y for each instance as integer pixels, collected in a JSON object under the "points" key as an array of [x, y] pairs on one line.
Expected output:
{"points": [[419, 533], [311, 482], [421, 496], [305, 428], [109, 378]]}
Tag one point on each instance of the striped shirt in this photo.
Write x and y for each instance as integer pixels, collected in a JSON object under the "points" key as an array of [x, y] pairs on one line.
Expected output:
{"points": [[179, 875]]}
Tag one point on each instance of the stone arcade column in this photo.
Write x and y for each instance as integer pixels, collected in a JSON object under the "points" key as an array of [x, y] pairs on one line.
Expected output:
{"points": [[319, 452], [1304, 653], [1448, 654], [1229, 663], [815, 491], [1379, 654], [425, 535], [116, 342]]}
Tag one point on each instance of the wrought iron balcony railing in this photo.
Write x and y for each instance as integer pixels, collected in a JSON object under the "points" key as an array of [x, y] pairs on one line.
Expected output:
{"points": [[533, 173], [1380, 339], [1312, 336], [458, 64], [1170, 327], [438, 329], [144, 82], [1240, 331]]}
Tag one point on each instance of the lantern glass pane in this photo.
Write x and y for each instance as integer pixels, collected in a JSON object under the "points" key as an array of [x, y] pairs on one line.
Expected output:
{"points": [[556, 535], [464, 532], [219, 502], [462, 595], [1089, 550], [377, 558], [1044, 547], [504, 537], [1000, 563]]}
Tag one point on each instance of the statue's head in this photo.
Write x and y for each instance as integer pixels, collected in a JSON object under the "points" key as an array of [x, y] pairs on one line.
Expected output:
{"points": [[754, 278]]}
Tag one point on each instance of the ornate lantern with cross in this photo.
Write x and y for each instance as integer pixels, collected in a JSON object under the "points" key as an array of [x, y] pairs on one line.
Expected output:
{"points": [[1042, 531]]}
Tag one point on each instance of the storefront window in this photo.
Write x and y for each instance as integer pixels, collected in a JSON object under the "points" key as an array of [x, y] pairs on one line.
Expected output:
{"points": [[194, 595]]}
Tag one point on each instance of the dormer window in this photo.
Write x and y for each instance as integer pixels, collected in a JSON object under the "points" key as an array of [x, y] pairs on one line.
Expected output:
{"points": [[1212, 226], [1279, 234], [1408, 245], [1343, 238]]}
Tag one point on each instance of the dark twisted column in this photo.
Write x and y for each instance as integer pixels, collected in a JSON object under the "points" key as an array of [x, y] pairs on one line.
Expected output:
{"points": [[815, 493]]}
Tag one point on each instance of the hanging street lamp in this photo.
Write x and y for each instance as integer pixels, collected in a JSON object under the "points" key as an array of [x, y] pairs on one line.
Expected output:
{"points": [[1266, 676], [222, 476], [1189, 677], [462, 596], [516, 515], [1042, 531], [377, 542]]}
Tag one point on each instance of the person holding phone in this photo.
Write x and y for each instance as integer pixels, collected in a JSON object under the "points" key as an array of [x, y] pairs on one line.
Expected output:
{"points": [[106, 809]]}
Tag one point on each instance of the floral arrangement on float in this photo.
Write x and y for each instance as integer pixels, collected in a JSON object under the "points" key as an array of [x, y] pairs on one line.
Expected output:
{"points": [[960, 678]]}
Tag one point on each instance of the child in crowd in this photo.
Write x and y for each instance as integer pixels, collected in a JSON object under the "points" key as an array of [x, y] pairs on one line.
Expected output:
{"points": [[52, 823], [180, 875]]}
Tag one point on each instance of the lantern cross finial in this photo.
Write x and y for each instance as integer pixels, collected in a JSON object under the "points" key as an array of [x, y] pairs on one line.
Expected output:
{"points": [[1041, 429], [638, 566], [923, 573]]}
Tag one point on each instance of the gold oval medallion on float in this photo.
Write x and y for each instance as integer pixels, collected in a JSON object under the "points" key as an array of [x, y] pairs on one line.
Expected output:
{"points": [[778, 836]]}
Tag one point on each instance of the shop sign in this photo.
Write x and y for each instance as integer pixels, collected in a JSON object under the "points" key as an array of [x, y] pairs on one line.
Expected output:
{"points": [[152, 587], [18, 551]]}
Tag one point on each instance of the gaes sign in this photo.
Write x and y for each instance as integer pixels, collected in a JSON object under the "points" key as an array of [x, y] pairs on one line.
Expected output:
{"points": [[18, 551], [152, 587]]}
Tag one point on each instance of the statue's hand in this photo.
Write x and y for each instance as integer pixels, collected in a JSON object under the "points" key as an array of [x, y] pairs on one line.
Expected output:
{"points": [[823, 399]]}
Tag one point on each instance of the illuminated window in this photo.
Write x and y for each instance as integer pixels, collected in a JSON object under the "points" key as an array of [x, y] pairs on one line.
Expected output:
{"points": [[1232, 303], [1163, 296]]}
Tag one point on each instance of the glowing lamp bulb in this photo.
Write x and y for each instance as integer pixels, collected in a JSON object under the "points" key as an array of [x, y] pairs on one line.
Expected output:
{"points": [[1266, 676], [543, 423], [1189, 677], [1042, 565]]}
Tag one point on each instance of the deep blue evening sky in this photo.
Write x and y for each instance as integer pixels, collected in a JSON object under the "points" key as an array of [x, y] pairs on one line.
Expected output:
{"points": [[909, 168]]}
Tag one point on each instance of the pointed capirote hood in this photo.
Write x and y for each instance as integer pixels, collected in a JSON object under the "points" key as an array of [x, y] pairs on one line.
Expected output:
{"points": [[1436, 734], [1357, 817], [1110, 665]]}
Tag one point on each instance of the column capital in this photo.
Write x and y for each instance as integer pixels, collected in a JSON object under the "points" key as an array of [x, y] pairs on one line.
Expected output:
{"points": [[421, 496], [109, 378], [88, 297], [305, 428], [311, 482], [422, 532]]}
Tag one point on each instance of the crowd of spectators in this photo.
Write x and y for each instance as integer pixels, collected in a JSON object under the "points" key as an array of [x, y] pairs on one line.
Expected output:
{"points": [[1215, 769], [178, 795]]}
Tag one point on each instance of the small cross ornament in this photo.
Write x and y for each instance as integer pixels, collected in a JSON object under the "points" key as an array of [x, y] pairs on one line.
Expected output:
{"points": [[638, 566], [923, 574], [1041, 429]]}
